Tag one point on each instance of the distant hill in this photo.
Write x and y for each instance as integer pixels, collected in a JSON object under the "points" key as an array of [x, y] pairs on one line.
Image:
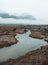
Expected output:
{"points": [[6, 15]]}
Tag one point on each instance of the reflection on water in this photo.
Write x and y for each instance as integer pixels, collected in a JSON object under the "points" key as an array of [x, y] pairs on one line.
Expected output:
{"points": [[24, 45]]}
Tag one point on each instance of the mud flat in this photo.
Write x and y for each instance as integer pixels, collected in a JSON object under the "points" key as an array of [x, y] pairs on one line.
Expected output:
{"points": [[36, 57]]}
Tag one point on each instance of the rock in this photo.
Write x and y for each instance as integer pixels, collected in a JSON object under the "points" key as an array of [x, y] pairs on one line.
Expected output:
{"points": [[36, 57], [21, 31], [46, 39], [37, 35], [7, 40], [44, 62]]}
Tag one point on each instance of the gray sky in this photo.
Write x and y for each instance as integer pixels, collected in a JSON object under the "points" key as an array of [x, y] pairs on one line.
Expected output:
{"points": [[37, 8]]}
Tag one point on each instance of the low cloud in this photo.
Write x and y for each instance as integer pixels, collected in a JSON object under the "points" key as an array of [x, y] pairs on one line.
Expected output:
{"points": [[6, 15]]}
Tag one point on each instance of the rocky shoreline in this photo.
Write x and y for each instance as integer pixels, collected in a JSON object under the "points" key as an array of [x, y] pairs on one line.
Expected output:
{"points": [[37, 35], [7, 40], [36, 57], [40, 32], [7, 35]]}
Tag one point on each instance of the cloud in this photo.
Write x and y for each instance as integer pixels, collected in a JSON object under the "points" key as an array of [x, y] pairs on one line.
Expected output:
{"points": [[6, 15]]}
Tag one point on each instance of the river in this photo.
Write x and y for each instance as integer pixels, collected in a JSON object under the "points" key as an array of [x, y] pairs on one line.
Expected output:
{"points": [[24, 45]]}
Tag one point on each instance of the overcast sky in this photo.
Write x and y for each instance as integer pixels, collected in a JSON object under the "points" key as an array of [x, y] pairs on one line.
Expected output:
{"points": [[37, 8]]}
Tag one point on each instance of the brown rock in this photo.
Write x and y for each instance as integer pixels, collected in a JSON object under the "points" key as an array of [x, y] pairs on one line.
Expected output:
{"points": [[31, 58], [21, 31], [7, 40], [37, 35]]}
